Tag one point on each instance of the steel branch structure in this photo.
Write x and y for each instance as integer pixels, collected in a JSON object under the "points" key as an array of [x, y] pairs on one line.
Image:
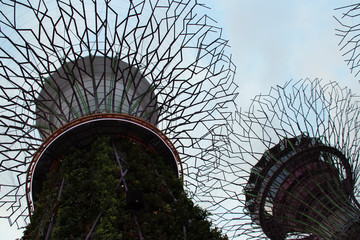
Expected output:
{"points": [[348, 32], [299, 147], [73, 69]]}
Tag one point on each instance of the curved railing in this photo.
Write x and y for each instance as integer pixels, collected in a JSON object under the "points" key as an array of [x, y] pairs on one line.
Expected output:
{"points": [[91, 118]]}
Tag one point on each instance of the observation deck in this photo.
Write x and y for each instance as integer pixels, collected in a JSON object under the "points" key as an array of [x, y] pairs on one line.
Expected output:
{"points": [[302, 186], [81, 132]]}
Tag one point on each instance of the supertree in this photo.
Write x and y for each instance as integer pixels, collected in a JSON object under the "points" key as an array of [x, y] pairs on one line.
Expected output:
{"points": [[151, 73], [348, 31], [299, 150]]}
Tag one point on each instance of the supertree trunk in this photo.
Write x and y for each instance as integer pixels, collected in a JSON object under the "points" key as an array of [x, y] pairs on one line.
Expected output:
{"points": [[299, 149], [153, 72]]}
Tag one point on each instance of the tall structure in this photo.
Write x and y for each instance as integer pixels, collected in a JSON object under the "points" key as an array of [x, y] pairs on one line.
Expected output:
{"points": [[152, 72], [348, 32], [300, 146]]}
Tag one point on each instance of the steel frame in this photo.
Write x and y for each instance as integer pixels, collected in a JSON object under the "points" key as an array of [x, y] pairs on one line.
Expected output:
{"points": [[348, 32], [175, 46], [311, 108]]}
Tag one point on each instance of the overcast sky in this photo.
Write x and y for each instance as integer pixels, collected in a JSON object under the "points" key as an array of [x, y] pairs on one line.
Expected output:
{"points": [[273, 42]]}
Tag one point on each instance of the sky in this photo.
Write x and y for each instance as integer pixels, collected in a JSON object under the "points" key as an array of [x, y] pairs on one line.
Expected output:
{"points": [[271, 43]]}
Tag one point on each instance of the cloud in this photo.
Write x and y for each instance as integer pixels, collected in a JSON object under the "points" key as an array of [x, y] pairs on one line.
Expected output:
{"points": [[275, 41]]}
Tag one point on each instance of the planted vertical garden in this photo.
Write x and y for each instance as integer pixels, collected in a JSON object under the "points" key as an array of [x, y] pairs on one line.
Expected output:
{"points": [[92, 194]]}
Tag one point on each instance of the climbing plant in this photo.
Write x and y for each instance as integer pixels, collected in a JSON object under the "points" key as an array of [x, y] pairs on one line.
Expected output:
{"points": [[135, 196]]}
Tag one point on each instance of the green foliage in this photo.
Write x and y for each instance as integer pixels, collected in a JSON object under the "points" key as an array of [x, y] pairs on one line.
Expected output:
{"points": [[44, 208], [93, 186]]}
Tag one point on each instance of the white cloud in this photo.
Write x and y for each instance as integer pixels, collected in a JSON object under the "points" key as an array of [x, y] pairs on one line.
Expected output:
{"points": [[275, 41]]}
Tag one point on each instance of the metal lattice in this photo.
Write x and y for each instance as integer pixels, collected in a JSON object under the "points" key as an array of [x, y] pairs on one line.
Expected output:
{"points": [[92, 48], [348, 31], [288, 120]]}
